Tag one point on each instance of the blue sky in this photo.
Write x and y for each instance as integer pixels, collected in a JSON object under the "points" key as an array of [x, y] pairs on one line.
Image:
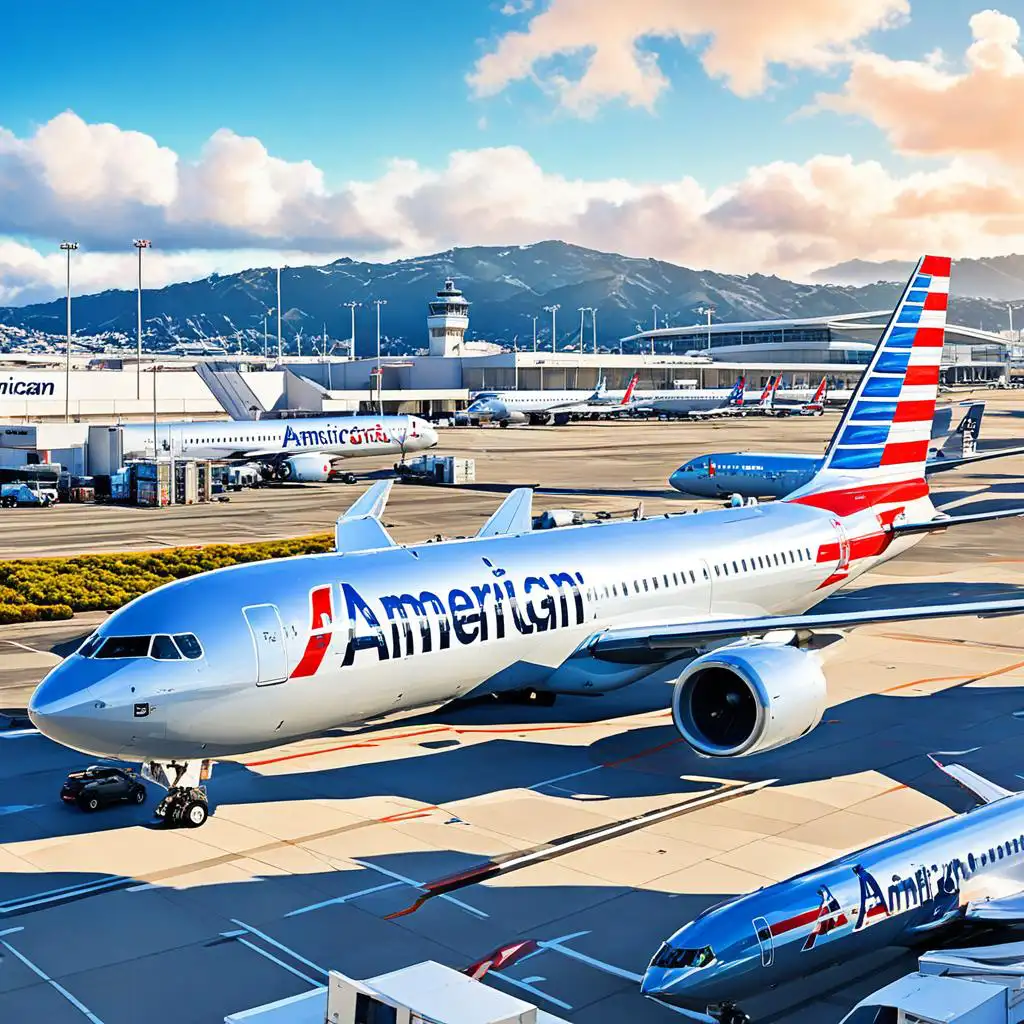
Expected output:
{"points": [[350, 87]]}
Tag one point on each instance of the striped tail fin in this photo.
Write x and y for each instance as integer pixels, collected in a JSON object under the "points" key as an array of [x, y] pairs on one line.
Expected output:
{"points": [[882, 437]]}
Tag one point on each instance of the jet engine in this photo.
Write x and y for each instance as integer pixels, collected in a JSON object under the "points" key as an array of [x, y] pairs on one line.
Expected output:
{"points": [[312, 468], [748, 698]]}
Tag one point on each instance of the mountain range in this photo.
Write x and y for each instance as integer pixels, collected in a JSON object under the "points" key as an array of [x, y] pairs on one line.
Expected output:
{"points": [[506, 288]]}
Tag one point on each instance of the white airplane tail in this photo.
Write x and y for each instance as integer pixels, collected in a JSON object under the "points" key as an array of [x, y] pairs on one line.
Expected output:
{"points": [[876, 457]]}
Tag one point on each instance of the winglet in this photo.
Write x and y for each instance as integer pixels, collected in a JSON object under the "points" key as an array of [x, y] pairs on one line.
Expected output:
{"points": [[359, 528], [985, 791], [513, 516]]}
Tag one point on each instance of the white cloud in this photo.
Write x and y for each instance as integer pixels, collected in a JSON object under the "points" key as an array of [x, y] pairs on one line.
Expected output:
{"points": [[740, 40], [239, 206], [926, 109]]}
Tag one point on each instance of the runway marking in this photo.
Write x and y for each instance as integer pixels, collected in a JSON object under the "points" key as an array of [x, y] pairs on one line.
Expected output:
{"points": [[68, 894], [947, 641], [422, 886], [368, 742], [56, 986], [568, 844], [281, 946], [17, 808], [527, 986], [558, 946], [966, 677], [280, 963], [339, 900]]}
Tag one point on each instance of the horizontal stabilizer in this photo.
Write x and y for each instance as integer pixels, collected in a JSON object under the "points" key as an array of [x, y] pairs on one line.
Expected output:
{"points": [[944, 522], [942, 462], [1004, 909], [513, 516], [630, 643], [360, 528], [976, 784]]}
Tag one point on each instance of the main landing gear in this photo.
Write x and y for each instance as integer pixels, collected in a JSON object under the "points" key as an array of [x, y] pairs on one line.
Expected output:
{"points": [[730, 1013], [186, 804]]}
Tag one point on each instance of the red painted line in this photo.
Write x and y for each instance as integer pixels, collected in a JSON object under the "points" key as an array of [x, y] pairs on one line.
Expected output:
{"points": [[643, 753], [345, 746]]}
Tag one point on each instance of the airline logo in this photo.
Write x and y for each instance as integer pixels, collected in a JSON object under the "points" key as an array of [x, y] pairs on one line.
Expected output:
{"points": [[333, 436], [819, 395], [736, 395], [629, 390], [889, 421]]}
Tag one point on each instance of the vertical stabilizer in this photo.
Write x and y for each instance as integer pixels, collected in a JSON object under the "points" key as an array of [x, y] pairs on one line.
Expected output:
{"points": [[882, 437]]}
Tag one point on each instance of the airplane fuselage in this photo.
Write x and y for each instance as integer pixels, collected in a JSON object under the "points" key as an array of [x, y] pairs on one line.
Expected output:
{"points": [[892, 893], [293, 647], [337, 436]]}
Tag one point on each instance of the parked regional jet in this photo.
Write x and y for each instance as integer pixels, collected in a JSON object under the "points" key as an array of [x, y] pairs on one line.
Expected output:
{"points": [[259, 654], [534, 407], [302, 449], [966, 868], [815, 407], [694, 402], [776, 474]]}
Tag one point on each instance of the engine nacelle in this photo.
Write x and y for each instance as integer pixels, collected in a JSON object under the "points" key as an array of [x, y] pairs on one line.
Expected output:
{"points": [[748, 698], [314, 467]]}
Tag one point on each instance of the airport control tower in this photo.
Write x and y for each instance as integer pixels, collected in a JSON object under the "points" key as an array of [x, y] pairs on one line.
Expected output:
{"points": [[447, 321]]}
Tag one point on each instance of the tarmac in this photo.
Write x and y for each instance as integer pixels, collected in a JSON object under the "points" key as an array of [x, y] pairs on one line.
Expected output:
{"points": [[320, 854]]}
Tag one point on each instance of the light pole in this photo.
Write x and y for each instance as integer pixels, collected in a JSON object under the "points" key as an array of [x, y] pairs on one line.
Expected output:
{"points": [[265, 315], [593, 324], [69, 248], [279, 314], [534, 319], [655, 308], [583, 311], [352, 334], [707, 311], [140, 244], [552, 310], [380, 376]]}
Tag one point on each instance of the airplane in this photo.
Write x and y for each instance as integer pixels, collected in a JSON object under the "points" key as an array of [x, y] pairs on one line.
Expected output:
{"points": [[302, 449], [815, 407], [695, 402], [222, 663], [965, 869], [534, 407], [776, 474]]}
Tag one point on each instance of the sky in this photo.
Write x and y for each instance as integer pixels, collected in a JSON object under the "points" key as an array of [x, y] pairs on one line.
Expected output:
{"points": [[735, 135]]}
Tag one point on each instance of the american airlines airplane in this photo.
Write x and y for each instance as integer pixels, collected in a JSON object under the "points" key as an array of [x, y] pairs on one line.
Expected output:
{"points": [[534, 407], [304, 449], [694, 401], [776, 474], [256, 655], [969, 868]]}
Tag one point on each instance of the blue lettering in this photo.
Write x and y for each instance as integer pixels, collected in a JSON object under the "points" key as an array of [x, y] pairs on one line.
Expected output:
{"points": [[354, 604], [542, 612], [465, 618], [481, 593], [290, 437], [517, 619], [871, 899]]}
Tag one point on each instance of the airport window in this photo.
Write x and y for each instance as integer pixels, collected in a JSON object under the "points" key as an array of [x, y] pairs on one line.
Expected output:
{"points": [[163, 649], [188, 645], [124, 647]]}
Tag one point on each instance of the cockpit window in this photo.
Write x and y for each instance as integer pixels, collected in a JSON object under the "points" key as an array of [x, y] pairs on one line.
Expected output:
{"points": [[189, 645], [124, 647], [163, 649], [89, 648], [671, 956]]}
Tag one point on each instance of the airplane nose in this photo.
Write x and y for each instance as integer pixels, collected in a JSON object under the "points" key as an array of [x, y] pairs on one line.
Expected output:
{"points": [[676, 480], [653, 981]]}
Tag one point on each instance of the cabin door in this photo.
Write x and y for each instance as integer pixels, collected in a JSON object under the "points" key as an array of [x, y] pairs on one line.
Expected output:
{"points": [[763, 932], [271, 649]]}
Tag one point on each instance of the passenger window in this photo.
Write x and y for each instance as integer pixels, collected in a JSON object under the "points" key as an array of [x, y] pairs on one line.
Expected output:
{"points": [[735, 567], [188, 645], [717, 573], [776, 557], [636, 586], [744, 564], [675, 578], [646, 588], [665, 578], [655, 582], [163, 649]]}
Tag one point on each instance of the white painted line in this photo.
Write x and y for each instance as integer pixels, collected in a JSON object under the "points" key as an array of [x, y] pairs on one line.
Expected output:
{"points": [[39, 898], [634, 824], [280, 963], [11, 931], [420, 886], [17, 734], [703, 1018], [57, 987], [562, 778], [17, 808], [33, 650], [143, 887], [279, 945], [528, 986], [573, 954], [339, 900]]}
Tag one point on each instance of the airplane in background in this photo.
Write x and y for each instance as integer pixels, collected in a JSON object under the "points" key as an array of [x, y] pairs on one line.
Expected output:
{"points": [[260, 654], [815, 407], [776, 474], [694, 402], [537, 408], [303, 449], [969, 868]]}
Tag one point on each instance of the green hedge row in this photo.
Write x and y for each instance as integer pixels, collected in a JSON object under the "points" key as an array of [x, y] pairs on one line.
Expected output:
{"points": [[54, 588]]}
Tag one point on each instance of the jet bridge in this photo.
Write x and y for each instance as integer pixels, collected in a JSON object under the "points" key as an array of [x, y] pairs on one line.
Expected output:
{"points": [[237, 399], [983, 985]]}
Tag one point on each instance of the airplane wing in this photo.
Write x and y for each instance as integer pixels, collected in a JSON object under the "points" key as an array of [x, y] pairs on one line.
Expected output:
{"points": [[944, 522], [940, 463], [642, 645], [1002, 909], [514, 515], [976, 784]]}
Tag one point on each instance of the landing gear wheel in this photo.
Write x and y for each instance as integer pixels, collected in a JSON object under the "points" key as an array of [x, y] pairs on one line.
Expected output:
{"points": [[730, 1014], [183, 807], [138, 795], [349, 478], [194, 813]]}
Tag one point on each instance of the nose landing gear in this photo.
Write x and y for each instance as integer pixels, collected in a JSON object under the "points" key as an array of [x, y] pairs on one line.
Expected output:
{"points": [[186, 804], [730, 1013]]}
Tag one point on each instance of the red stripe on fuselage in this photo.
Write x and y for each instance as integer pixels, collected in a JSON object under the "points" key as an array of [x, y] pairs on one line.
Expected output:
{"points": [[321, 618], [850, 500]]}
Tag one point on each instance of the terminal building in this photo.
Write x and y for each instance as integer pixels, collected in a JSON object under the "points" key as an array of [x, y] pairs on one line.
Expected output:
{"points": [[43, 389]]}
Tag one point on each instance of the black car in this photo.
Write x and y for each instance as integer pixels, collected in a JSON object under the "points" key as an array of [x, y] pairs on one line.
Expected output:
{"points": [[93, 787]]}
